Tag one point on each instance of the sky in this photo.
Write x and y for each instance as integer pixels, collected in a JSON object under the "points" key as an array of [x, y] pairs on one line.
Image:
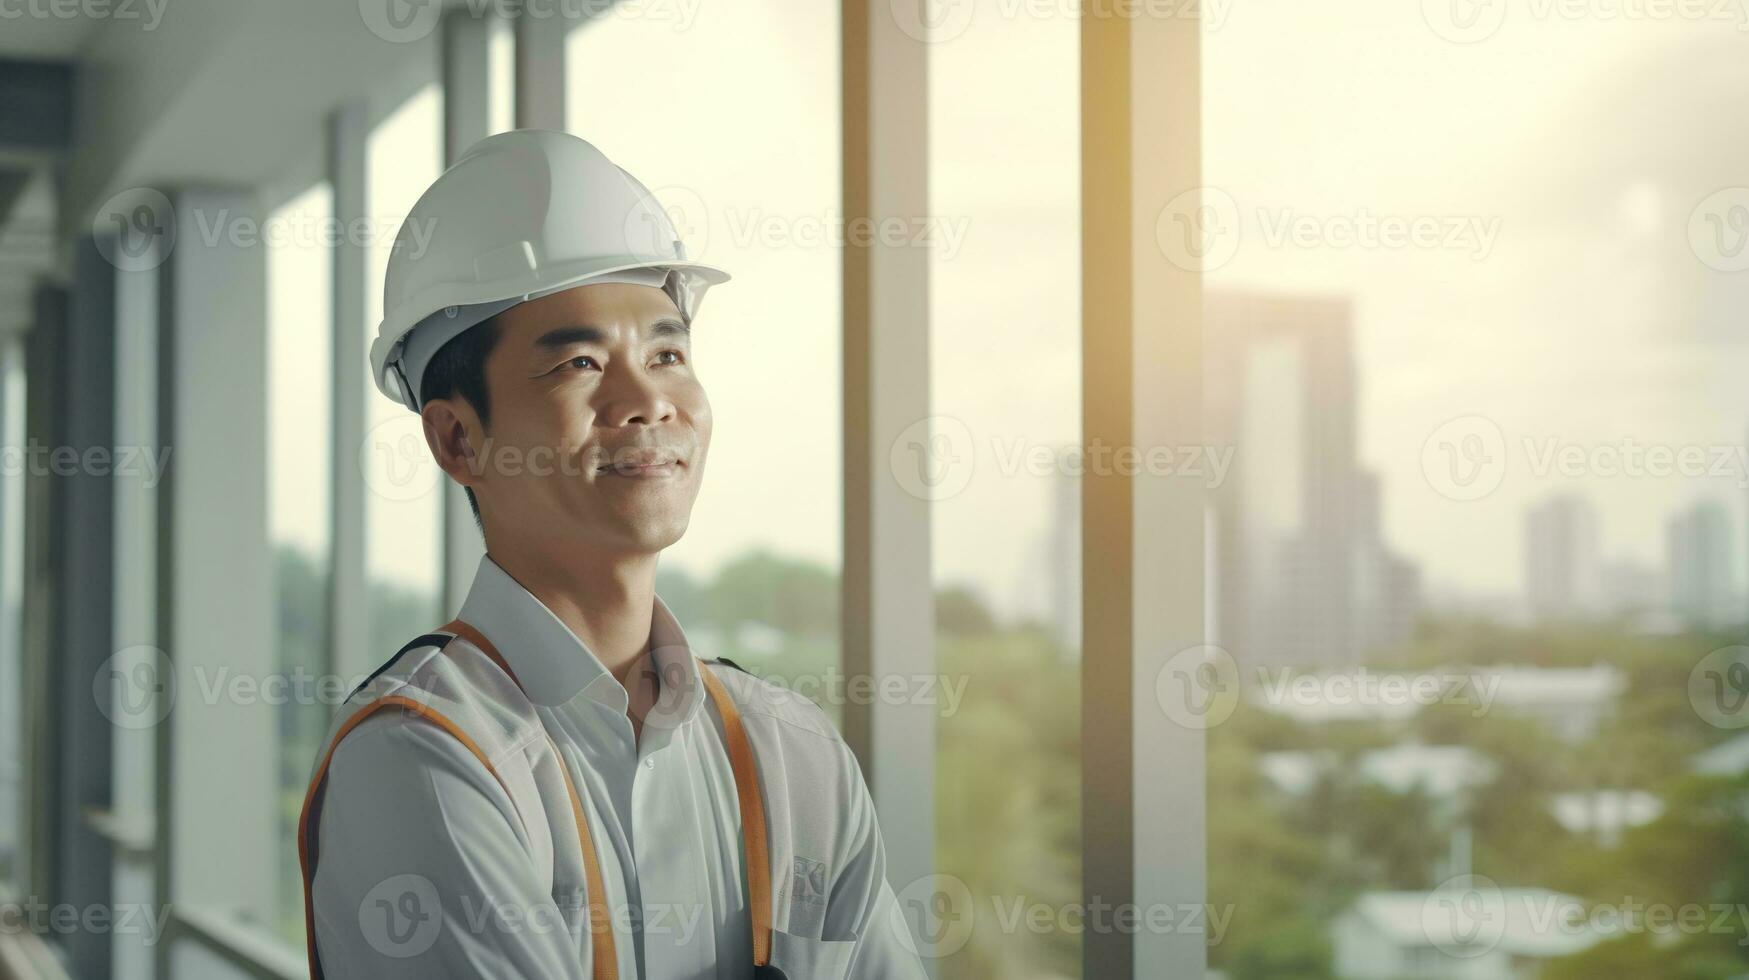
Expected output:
{"points": [[726, 119], [1590, 322], [1572, 310], [300, 350]]}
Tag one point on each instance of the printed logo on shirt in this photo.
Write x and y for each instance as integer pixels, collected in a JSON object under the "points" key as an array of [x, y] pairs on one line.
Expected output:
{"points": [[807, 897], [808, 883]]}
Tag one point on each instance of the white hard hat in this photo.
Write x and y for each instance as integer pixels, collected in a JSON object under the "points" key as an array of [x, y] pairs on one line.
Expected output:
{"points": [[518, 216]]}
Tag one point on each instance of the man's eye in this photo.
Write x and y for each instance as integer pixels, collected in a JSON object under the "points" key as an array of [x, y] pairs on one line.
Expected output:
{"points": [[580, 362], [668, 357]]}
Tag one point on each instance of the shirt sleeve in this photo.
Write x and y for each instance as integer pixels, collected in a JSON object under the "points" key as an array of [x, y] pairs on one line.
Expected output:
{"points": [[862, 904], [422, 869]]}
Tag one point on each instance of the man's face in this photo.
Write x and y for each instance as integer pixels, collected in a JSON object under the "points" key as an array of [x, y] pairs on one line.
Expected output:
{"points": [[594, 399]]}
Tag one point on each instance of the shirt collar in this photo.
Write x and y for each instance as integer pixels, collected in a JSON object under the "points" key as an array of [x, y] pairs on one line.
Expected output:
{"points": [[554, 666]]}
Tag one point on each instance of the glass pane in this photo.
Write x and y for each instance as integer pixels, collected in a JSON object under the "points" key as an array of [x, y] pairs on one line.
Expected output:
{"points": [[1474, 338], [13, 791], [403, 502], [300, 420], [1005, 376], [133, 802], [501, 75], [756, 576]]}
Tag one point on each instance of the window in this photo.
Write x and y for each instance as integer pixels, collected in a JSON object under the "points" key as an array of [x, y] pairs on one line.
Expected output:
{"points": [[300, 420], [1005, 376], [755, 192], [133, 808], [14, 834], [403, 502], [501, 70], [1473, 327]]}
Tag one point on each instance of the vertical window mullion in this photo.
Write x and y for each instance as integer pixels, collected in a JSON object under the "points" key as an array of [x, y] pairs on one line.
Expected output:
{"points": [[1144, 794], [889, 616]]}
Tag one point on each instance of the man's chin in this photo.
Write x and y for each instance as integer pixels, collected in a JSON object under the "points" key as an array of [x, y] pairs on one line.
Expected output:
{"points": [[647, 533]]}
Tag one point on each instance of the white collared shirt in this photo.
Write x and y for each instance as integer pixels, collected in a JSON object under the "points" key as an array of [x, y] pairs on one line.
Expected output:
{"points": [[410, 811]]}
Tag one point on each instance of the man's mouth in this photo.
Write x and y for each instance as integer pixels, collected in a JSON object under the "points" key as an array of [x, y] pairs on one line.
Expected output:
{"points": [[642, 463]]}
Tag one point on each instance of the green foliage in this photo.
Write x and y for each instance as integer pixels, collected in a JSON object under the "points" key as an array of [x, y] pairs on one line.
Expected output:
{"points": [[1698, 851], [788, 594], [302, 590], [1290, 865], [959, 612], [686, 597], [1293, 950], [1640, 955], [1275, 881], [1008, 800]]}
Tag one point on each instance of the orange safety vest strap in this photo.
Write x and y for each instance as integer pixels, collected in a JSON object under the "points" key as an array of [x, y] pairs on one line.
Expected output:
{"points": [[753, 828], [606, 965], [313, 802], [478, 639]]}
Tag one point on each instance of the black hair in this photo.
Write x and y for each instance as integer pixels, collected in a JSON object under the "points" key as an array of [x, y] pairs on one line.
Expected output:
{"points": [[459, 368]]}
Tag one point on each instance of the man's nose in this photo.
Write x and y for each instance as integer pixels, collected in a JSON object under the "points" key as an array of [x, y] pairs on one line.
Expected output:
{"points": [[634, 398]]}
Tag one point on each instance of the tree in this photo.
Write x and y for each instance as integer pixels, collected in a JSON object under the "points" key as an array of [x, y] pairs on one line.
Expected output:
{"points": [[960, 612], [788, 594]]}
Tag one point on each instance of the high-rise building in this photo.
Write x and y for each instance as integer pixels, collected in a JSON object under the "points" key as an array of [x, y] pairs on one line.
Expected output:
{"points": [[1629, 587], [1047, 583], [1700, 554], [1387, 586], [1065, 563], [1300, 569], [1561, 567]]}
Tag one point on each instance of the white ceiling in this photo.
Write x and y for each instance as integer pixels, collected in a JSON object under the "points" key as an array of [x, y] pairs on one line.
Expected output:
{"points": [[226, 93]]}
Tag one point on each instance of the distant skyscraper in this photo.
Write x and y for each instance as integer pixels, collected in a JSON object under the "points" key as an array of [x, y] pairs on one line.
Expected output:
{"points": [[1387, 586], [1301, 573], [1047, 584], [1701, 555], [1560, 558], [1630, 587], [1064, 557]]}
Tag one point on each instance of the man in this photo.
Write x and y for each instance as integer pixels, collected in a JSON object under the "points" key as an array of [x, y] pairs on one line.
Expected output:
{"points": [[553, 785]]}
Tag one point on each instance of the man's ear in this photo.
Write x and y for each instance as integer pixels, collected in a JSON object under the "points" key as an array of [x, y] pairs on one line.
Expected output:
{"points": [[456, 438]]}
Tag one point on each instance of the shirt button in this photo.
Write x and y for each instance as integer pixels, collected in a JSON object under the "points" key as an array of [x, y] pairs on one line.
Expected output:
{"points": [[649, 763]]}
